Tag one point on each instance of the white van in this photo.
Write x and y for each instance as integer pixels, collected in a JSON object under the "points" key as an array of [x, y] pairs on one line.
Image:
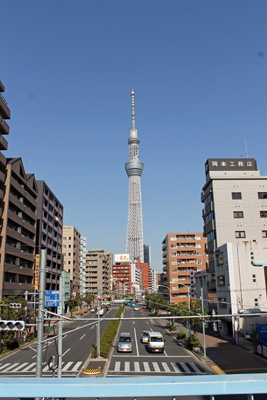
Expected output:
{"points": [[155, 342]]}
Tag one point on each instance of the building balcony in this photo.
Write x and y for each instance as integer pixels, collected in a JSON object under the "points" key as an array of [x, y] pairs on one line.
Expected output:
{"points": [[2, 160], [20, 238], [4, 109], [2, 176], [3, 142]]}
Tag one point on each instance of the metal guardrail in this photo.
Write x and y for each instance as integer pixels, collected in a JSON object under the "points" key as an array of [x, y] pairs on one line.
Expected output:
{"points": [[135, 387]]}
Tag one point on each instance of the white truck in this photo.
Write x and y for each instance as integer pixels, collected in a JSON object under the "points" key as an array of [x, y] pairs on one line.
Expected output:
{"points": [[155, 342]]}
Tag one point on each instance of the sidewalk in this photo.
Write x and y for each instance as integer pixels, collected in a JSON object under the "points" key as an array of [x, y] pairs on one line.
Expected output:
{"points": [[224, 357]]}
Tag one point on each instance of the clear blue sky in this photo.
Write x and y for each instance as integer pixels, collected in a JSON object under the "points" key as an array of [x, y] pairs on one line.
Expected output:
{"points": [[199, 72]]}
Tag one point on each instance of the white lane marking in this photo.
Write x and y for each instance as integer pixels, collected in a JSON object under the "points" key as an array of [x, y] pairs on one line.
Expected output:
{"points": [[34, 356], [29, 367], [76, 366], [9, 367], [117, 366], [136, 366], [133, 322], [175, 367], [20, 366], [4, 365], [156, 367], [66, 352], [67, 366], [33, 349], [165, 367], [146, 366], [136, 343], [185, 367], [127, 366], [82, 337], [195, 368], [45, 369]]}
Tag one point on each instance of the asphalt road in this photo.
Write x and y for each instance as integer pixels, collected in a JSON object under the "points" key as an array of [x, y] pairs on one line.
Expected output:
{"points": [[174, 361], [76, 348]]}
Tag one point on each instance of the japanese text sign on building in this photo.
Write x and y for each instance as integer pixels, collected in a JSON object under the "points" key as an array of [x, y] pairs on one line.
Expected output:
{"points": [[231, 164], [192, 284]]}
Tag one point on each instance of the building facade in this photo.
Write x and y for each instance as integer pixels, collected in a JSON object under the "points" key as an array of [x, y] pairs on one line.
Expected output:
{"points": [[98, 269], [183, 253], [147, 254], [82, 266], [71, 248], [18, 230], [134, 169], [49, 233], [235, 223]]}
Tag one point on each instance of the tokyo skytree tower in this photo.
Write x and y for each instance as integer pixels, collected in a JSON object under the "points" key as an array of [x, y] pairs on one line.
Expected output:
{"points": [[134, 169]]}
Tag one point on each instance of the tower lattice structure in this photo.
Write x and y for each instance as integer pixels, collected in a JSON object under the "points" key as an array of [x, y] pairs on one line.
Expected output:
{"points": [[134, 169]]}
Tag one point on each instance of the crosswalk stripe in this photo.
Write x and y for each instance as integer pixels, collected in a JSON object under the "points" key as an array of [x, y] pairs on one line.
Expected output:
{"points": [[19, 367], [77, 366], [67, 366], [175, 367], [146, 366], [117, 366], [156, 366], [185, 368], [9, 367], [4, 365], [29, 367], [165, 367], [195, 368], [46, 368], [136, 366], [127, 366]]}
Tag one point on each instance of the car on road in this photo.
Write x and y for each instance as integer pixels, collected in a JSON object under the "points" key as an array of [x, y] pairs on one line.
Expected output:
{"points": [[144, 336], [155, 342], [101, 312], [136, 308], [125, 343], [92, 309]]}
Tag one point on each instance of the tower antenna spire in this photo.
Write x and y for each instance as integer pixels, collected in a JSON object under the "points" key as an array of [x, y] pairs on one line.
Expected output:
{"points": [[133, 108]]}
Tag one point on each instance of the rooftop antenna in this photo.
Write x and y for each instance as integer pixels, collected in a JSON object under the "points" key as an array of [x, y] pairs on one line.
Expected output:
{"points": [[246, 154]]}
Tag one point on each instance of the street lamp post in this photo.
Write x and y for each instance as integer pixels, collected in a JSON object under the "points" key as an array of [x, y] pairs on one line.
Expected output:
{"points": [[169, 291], [188, 296]]}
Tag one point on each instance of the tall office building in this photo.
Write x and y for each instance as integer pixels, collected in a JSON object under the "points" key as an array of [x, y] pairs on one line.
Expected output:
{"points": [[134, 169], [82, 266], [235, 223], [147, 254]]}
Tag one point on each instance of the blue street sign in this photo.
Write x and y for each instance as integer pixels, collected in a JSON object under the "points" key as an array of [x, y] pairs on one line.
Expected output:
{"points": [[52, 298]]}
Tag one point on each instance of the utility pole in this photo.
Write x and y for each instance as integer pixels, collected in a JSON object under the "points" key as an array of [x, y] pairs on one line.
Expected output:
{"points": [[203, 323], [98, 327], [40, 320], [60, 312]]}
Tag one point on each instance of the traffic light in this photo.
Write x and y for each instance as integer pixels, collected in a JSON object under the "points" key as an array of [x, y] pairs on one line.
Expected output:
{"points": [[12, 325], [14, 305]]}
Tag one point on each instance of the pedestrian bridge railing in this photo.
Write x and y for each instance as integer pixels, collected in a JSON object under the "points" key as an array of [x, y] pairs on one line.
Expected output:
{"points": [[167, 387]]}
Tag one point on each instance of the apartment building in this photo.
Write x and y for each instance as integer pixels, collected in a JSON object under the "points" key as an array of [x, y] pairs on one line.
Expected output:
{"points": [[235, 223], [183, 253], [122, 275], [82, 266], [18, 230], [71, 247], [4, 130], [49, 233], [98, 273]]}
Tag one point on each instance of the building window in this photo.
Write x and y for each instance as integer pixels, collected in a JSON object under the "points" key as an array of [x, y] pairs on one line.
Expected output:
{"points": [[198, 254], [240, 234], [222, 302], [221, 280], [262, 195], [263, 214], [64, 238], [256, 302], [236, 195], [173, 238], [238, 214], [197, 238], [264, 234], [254, 278]]}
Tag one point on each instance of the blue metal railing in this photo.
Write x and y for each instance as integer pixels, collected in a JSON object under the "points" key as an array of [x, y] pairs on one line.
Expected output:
{"points": [[135, 387]]}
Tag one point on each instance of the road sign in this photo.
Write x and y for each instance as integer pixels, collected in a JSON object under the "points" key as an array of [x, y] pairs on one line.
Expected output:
{"points": [[52, 298]]}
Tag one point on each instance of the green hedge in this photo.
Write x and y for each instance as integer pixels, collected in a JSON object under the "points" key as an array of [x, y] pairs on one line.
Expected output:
{"points": [[107, 337]]}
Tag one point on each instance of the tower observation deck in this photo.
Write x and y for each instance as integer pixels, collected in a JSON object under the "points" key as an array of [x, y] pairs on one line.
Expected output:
{"points": [[134, 169]]}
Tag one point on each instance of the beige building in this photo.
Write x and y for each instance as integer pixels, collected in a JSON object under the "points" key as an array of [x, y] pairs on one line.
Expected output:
{"points": [[235, 223], [98, 268], [183, 253], [71, 245]]}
